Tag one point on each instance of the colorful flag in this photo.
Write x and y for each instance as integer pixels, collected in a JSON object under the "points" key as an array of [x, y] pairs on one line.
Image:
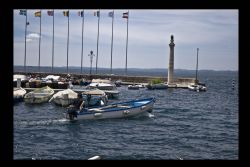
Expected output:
{"points": [[111, 14], [38, 14], [27, 23], [23, 12], [50, 12], [125, 15], [80, 13], [66, 13], [97, 13]]}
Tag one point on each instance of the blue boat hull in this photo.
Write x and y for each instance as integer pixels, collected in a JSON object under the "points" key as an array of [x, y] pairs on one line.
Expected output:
{"points": [[115, 110]]}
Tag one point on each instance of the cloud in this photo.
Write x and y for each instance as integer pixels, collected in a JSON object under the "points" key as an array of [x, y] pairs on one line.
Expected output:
{"points": [[28, 40], [33, 35], [215, 32]]}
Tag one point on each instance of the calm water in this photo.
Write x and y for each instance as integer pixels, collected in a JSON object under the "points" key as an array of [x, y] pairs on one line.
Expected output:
{"points": [[184, 125]]}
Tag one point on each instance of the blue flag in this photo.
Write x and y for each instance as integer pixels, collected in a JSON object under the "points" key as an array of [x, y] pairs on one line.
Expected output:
{"points": [[80, 13], [97, 13], [23, 12], [111, 14]]}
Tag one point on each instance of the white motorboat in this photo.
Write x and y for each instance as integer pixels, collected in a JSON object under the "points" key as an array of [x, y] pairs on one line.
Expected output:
{"points": [[197, 87], [133, 87]]}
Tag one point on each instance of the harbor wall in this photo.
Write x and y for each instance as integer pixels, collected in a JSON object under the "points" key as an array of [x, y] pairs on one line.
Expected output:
{"points": [[123, 78]]}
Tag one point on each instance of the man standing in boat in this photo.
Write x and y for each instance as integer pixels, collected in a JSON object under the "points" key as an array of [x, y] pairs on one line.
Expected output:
{"points": [[79, 103], [76, 107]]}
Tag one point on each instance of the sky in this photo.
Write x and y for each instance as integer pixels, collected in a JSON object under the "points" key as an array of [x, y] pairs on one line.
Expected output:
{"points": [[214, 32]]}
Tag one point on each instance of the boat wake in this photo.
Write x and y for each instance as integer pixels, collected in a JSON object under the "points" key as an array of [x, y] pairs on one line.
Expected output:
{"points": [[40, 122], [151, 115]]}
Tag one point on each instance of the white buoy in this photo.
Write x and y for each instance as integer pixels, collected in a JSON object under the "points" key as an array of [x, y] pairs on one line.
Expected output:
{"points": [[95, 158]]}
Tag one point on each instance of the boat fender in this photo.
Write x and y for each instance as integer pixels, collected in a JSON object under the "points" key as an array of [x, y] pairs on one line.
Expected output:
{"points": [[98, 114], [126, 112], [143, 107], [95, 158]]}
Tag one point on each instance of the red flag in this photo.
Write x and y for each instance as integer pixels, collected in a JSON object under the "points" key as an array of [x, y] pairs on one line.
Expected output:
{"points": [[50, 12]]}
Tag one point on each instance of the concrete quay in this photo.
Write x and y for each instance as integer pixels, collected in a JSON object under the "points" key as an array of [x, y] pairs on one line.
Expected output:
{"points": [[177, 82]]}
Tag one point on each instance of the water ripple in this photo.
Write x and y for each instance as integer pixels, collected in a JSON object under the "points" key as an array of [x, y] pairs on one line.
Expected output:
{"points": [[183, 125]]}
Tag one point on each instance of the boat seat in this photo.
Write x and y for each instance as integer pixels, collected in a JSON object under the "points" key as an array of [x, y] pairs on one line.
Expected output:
{"points": [[121, 106]]}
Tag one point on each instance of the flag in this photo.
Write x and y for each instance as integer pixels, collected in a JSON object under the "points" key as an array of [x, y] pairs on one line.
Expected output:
{"points": [[38, 14], [80, 13], [97, 13], [27, 23], [23, 12], [50, 12], [66, 13], [125, 15], [111, 14]]}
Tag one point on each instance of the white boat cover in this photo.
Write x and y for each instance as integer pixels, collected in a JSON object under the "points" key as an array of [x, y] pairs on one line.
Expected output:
{"points": [[19, 92], [101, 81], [94, 92], [68, 92], [54, 77]]}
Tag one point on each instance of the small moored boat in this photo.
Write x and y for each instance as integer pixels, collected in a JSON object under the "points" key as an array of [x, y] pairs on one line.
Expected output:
{"points": [[102, 84], [18, 94], [197, 87], [115, 110], [64, 98], [95, 97], [39, 95], [133, 87]]}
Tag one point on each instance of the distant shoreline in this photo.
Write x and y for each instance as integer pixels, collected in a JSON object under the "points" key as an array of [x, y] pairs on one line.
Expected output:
{"points": [[118, 69]]}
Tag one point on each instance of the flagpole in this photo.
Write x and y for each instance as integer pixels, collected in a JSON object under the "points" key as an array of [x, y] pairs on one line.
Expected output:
{"points": [[97, 41], [68, 43], [127, 45], [53, 44], [196, 66], [25, 43], [112, 42], [82, 37], [40, 40]]}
